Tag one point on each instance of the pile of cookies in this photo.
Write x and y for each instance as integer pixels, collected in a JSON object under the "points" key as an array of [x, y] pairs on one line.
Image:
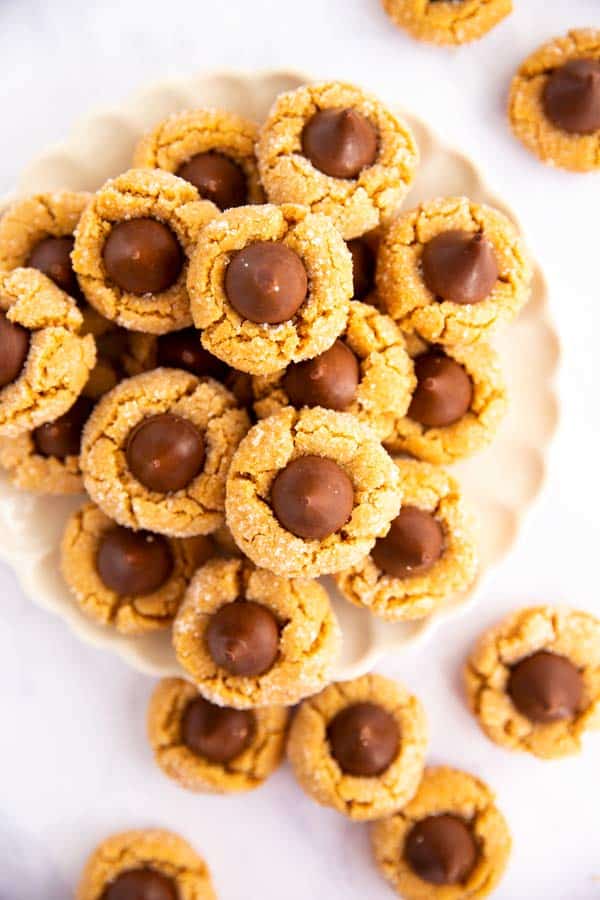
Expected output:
{"points": [[255, 365]]}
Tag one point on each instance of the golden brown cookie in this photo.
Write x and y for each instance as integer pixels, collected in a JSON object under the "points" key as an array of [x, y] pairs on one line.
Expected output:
{"points": [[213, 749], [146, 860], [44, 363], [212, 149], [156, 451], [133, 581], [449, 22], [452, 271], [132, 247], [366, 372], [428, 556], [533, 681], [451, 841], [359, 747], [457, 406], [309, 492], [551, 106], [338, 151], [269, 285], [248, 638]]}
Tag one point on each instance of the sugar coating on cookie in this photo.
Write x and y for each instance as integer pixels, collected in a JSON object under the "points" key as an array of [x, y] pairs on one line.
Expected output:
{"points": [[571, 701], [441, 426], [402, 847], [412, 576], [576, 146], [356, 204], [238, 619], [44, 362], [275, 444], [447, 22], [492, 247], [166, 565], [208, 415], [211, 148], [255, 346], [150, 858], [366, 372], [132, 247], [359, 747], [211, 749]]}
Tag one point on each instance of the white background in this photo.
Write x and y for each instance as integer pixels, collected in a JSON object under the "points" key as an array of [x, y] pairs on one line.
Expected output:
{"points": [[74, 763]]}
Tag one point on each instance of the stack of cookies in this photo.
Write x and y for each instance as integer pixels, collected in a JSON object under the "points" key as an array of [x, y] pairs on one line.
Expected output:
{"points": [[255, 367]]}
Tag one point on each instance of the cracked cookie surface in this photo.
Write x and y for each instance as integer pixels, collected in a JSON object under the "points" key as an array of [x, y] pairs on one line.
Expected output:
{"points": [[197, 508], [405, 296], [268, 449], [161, 851], [386, 374], [139, 194], [244, 772], [309, 635], [445, 791], [569, 633], [262, 348], [356, 205], [575, 151], [399, 599], [319, 773], [448, 22]]}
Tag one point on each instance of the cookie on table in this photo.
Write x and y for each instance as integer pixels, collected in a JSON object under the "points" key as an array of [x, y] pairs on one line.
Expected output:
{"points": [[339, 151], [156, 451], [309, 492], [213, 749], [133, 581], [457, 406], [428, 555], [212, 149], [554, 103], [248, 638], [146, 863], [366, 372], [449, 22], [533, 681], [44, 362], [452, 271], [132, 247], [269, 285], [451, 841], [359, 747]]}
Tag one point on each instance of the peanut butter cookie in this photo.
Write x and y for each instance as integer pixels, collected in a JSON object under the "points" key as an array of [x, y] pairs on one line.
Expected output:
{"points": [[457, 406], [359, 747], [156, 451], [132, 247], [145, 863], [309, 492], [269, 285], [44, 363], [249, 638], [533, 681], [210, 148], [451, 271], [131, 580], [451, 841], [554, 103], [428, 555], [213, 749], [338, 151], [366, 372], [448, 22]]}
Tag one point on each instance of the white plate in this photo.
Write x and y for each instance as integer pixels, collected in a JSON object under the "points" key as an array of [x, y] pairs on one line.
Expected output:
{"points": [[501, 483]]}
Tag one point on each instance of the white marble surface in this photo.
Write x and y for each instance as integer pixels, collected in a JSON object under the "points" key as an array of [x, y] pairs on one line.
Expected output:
{"points": [[75, 764]]}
